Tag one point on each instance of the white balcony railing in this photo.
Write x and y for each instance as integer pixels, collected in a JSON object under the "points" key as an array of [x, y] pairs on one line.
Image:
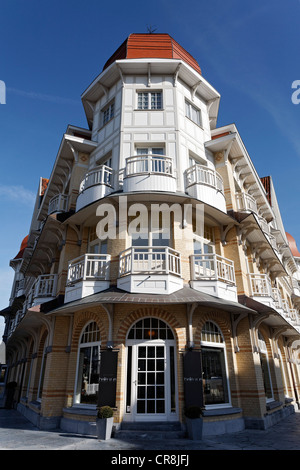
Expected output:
{"points": [[148, 164], [277, 298], [88, 266], [99, 176], [45, 286], [264, 225], [212, 266], [273, 243], [155, 260], [58, 203], [260, 285], [199, 174], [245, 202]]}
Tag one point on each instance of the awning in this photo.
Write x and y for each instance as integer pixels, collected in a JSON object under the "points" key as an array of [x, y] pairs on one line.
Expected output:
{"points": [[187, 295]]}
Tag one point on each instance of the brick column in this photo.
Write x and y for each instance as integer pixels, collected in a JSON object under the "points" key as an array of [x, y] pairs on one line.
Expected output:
{"points": [[251, 387]]}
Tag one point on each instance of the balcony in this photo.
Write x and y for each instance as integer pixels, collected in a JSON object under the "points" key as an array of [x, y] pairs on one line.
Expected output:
{"points": [[149, 173], [205, 184], [214, 275], [58, 203], [246, 203], [150, 270], [87, 274], [14, 323], [95, 185], [44, 289], [264, 225], [261, 289]]}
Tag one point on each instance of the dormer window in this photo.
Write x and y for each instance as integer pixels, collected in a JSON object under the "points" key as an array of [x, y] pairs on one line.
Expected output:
{"points": [[149, 100]]}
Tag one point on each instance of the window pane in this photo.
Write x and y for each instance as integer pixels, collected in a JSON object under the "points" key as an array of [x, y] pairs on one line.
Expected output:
{"points": [[214, 376], [142, 100], [88, 375], [266, 375]]}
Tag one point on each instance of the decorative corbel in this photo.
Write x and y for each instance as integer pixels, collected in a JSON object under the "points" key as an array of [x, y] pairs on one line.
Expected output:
{"points": [[175, 78], [235, 320], [194, 89], [149, 75], [224, 232]]}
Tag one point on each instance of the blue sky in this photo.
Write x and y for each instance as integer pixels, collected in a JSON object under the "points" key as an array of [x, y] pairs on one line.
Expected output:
{"points": [[51, 51]]}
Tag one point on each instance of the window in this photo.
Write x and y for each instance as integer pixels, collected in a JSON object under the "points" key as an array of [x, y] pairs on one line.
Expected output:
{"points": [[215, 384], [265, 367], [88, 366], [193, 113], [150, 328], [108, 113], [149, 100], [42, 374], [96, 246]]}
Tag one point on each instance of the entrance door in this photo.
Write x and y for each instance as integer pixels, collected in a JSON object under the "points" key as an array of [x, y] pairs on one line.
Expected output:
{"points": [[151, 384]]}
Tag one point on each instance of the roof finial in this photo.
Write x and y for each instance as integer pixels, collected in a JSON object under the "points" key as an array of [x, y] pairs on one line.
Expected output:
{"points": [[150, 29]]}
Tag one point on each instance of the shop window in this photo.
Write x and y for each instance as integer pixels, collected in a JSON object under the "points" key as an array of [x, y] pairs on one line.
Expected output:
{"points": [[88, 366], [265, 367], [215, 379]]}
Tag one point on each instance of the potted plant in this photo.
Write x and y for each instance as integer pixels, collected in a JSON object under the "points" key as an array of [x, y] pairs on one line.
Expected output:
{"points": [[104, 422], [194, 422]]}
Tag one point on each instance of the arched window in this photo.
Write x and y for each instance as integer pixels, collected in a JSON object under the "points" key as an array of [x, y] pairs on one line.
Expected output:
{"points": [[265, 367], [215, 379], [150, 328], [88, 366]]}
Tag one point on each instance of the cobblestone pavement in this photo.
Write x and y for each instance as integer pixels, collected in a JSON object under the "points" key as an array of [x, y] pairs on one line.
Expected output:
{"points": [[17, 433]]}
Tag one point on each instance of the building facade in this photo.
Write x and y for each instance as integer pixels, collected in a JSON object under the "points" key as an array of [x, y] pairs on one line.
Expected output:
{"points": [[157, 272]]}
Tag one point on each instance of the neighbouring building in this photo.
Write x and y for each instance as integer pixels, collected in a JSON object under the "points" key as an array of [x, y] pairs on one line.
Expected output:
{"points": [[157, 273]]}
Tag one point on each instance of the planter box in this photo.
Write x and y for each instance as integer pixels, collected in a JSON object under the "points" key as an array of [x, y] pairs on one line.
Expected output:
{"points": [[194, 428], [104, 428]]}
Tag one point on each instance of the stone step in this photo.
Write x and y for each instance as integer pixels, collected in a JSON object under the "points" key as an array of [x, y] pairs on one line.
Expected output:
{"points": [[148, 435], [150, 430]]}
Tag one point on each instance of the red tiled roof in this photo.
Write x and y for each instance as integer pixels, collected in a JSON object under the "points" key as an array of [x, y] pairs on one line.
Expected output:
{"points": [[266, 181], [293, 245], [22, 248], [158, 46], [43, 185]]}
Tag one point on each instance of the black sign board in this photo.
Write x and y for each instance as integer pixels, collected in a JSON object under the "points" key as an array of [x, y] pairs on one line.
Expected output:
{"points": [[192, 378], [108, 378]]}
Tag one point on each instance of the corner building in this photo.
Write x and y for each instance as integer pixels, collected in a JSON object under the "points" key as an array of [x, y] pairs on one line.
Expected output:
{"points": [[157, 273]]}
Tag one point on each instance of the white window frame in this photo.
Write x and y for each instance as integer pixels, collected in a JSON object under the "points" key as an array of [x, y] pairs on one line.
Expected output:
{"points": [[217, 345], [264, 352], [146, 100], [108, 112], [77, 403], [193, 113], [42, 375]]}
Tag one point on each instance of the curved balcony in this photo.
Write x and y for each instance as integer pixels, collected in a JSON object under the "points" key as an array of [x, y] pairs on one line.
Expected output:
{"points": [[95, 185], [58, 203], [44, 288], [214, 275], [87, 274], [246, 203], [205, 184], [149, 173], [150, 270]]}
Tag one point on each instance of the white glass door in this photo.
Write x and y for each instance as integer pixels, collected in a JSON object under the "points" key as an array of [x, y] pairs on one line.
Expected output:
{"points": [[151, 385]]}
